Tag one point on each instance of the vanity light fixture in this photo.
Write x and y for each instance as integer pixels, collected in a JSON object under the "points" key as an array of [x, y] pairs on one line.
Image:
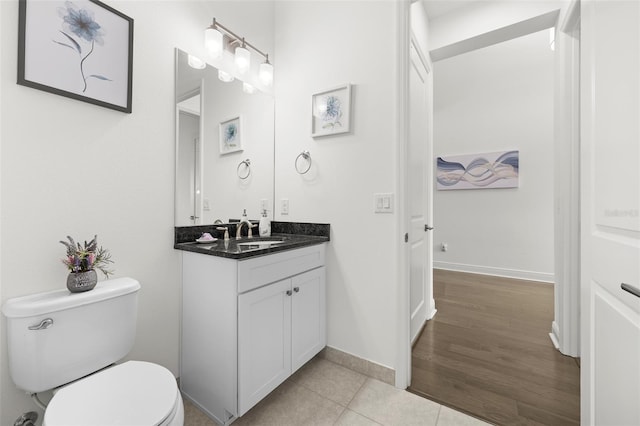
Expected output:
{"points": [[265, 74], [196, 63], [213, 40], [243, 58], [225, 76], [248, 89], [218, 37]]}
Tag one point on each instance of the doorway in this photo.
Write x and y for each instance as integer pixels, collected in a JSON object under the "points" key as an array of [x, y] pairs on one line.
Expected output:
{"points": [[189, 156], [497, 93]]}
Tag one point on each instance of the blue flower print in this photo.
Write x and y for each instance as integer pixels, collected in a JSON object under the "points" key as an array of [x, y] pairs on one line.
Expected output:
{"points": [[331, 112], [81, 23], [230, 133]]}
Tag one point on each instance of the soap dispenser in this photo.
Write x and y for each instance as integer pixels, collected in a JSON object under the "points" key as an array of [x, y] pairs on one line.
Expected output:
{"points": [[264, 227]]}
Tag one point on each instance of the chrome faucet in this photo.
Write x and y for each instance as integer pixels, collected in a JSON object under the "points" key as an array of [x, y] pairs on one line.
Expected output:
{"points": [[239, 229]]}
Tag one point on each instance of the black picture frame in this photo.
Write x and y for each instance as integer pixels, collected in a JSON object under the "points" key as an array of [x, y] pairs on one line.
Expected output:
{"points": [[80, 49]]}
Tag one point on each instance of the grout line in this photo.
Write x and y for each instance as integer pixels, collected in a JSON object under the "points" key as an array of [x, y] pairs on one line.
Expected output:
{"points": [[357, 392], [438, 416]]}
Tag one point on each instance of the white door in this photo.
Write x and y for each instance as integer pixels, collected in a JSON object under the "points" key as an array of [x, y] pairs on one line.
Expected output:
{"points": [[264, 342], [308, 316], [419, 195], [610, 231]]}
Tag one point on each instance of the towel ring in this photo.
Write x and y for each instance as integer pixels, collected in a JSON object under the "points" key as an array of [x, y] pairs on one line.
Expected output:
{"points": [[247, 164], [307, 156]]}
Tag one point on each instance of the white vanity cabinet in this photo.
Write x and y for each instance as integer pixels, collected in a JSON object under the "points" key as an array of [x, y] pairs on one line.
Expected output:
{"points": [[248, 325], [281, 326]]}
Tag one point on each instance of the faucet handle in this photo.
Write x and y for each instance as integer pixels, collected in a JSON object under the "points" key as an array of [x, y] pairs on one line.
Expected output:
{"points": [[226, 231], [249, 227]]}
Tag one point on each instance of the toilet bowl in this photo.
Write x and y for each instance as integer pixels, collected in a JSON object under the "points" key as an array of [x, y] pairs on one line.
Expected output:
{"points": [[134, 393]]}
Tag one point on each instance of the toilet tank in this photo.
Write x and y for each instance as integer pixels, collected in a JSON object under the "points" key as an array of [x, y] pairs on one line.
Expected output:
{"points": [[88, 331]]}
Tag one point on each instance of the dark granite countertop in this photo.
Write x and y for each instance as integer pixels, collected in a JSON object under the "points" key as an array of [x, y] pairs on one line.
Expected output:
{"points": [[295, 235]]}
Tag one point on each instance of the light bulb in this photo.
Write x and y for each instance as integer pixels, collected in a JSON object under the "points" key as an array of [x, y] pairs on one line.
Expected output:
{"points": [[224, 76], [196, 63], [265, 74], [243, 59], [213, 42], [247, 88]]}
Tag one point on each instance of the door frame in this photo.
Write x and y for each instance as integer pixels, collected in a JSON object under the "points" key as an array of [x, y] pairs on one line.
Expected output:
{"points": [[403, 318], [565, 329]]}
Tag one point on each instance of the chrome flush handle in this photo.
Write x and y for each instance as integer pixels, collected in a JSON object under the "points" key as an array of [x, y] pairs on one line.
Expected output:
{"points": [[44, 324]]}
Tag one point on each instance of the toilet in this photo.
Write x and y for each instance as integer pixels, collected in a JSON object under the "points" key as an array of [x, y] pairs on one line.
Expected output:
{"points": [[69, 343]]}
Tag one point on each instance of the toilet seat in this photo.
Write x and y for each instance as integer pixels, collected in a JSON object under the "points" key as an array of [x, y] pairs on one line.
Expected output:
{"points": [[135, 393]]}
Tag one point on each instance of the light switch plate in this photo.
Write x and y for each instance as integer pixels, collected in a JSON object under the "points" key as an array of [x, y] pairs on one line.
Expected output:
{"points": [[383, 202]]}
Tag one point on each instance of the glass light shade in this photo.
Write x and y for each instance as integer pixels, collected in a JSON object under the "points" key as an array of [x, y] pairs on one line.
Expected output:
{"points": [[247, 88], [224, 76], [243, 59], [265, 74], [196, 63], [213, 42]]}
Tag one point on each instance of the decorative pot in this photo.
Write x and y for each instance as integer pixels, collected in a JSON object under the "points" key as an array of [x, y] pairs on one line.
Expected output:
{"points": [[78, 282]]}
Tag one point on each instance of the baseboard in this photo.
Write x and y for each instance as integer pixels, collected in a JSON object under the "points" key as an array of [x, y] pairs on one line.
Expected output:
{"points": [[555, 335], [432, 309], [359, 365], [499, 272]]}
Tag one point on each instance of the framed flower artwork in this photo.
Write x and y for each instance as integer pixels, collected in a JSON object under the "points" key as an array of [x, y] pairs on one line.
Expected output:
{"points": [[231, 135], [81, 49], [331, 111]]}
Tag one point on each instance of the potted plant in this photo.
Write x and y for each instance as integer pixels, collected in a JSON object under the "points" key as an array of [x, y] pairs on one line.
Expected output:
{"points": [[82, 261]]}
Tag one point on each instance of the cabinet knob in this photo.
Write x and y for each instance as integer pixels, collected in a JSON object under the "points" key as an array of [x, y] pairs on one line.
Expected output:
{"points": [[288, 292], [296, 289]]}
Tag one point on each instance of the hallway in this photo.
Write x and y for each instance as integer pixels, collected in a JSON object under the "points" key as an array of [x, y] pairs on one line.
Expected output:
{"points": [[487, 352]]}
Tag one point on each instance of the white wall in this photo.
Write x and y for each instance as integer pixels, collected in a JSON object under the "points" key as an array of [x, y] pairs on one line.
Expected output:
{"points": [[321, 45], [495, 99], [484, 16], [71, 168]]}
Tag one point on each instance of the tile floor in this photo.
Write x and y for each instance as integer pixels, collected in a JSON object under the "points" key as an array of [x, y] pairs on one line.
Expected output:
{"points": [[324, 393]]}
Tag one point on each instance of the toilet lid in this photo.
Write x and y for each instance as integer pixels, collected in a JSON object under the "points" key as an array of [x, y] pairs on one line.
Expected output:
{"points": [[134, 393]]}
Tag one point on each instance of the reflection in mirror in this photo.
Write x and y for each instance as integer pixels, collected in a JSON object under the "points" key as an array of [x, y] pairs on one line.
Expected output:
{"points": [[218, 127]]}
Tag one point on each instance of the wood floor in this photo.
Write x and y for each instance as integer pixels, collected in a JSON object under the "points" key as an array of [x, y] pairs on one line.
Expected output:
{"points": [[487, 352]]}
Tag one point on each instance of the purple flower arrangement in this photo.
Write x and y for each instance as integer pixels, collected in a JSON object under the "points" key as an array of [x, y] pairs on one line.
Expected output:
{"points": [[86, 258]]}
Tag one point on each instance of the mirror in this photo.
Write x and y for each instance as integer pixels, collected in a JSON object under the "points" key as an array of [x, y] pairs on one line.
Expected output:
{"points": [[224, 147]]}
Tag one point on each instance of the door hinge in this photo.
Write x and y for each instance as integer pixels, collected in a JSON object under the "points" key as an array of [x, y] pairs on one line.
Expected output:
{"points": [[406, 237]]}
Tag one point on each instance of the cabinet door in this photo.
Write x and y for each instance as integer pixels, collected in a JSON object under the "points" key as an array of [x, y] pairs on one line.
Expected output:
{"points": [[308, 316], [264, 342]]}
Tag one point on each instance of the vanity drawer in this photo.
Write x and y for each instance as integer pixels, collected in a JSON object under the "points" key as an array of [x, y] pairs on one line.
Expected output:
{"points": [[258, 271]]}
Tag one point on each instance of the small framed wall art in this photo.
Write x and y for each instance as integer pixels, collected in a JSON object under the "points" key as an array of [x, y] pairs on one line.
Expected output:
{"points": [[331, 111], [81, 49], [231, 135]]}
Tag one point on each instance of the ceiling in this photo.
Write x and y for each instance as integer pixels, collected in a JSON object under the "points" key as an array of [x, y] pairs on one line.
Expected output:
{"points": [[437, 8]]}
